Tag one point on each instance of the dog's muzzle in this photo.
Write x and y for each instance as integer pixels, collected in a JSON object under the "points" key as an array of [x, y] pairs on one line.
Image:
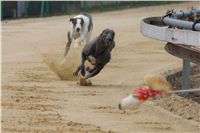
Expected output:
{"points": [[77, 29], [109, 38]]}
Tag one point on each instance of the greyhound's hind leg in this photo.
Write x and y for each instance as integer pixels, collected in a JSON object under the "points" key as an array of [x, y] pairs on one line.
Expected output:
{"points": [[88, 36]]}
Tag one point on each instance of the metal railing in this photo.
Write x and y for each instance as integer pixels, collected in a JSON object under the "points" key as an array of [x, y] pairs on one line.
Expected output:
{"points": [[188, 19]]}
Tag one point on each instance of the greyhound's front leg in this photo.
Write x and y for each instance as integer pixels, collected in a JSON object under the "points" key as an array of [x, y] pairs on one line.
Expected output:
{"points": [[68, 43], [94, 71], [77, 70], [81, 67], [81, 39]]}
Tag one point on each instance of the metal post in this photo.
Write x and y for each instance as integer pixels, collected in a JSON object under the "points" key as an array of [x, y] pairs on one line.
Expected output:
{"points": [[26, 5], [42, 9], [1, 10], [186, 74], [47, 8], [101, 6], [116, 5], [66, 7], [85, 6], [20, 8]]}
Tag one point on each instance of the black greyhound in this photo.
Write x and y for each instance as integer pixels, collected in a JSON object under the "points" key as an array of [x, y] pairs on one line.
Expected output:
{"points": [[98, 53]]}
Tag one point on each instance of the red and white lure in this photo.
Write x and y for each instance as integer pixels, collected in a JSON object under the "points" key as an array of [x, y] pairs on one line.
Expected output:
{"points": [[138, 96], [156, 84]]}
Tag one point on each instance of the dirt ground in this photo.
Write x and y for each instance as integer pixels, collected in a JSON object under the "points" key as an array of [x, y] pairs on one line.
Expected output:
{"points": [[34, 99], [187, 104]]}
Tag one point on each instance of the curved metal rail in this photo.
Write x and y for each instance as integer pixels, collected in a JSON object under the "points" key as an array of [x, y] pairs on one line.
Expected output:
{"points": [[154, 28]]}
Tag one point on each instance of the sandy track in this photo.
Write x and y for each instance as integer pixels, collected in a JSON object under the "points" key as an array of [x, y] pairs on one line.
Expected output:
{"points": [[34, 99]]}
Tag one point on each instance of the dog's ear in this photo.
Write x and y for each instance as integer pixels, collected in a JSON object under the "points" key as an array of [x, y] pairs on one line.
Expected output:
{"points": [[100, 38], [103, 32], [101, 35], [82, 21], [113, 35], [71, 19]]}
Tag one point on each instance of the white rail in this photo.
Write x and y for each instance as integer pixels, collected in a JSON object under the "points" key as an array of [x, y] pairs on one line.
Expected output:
{"points": [[163, 33]]}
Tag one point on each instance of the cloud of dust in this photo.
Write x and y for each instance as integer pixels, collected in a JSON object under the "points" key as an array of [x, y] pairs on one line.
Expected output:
{"points": [[65, 67], [157, 82]]}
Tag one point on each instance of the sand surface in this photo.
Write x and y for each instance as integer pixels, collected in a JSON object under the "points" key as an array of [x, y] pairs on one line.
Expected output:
{"points": [[35, 100], [187, 104]]}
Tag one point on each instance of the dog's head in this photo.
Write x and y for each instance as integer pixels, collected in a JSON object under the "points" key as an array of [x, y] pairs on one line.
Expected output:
{"points": [[77, 23], [107, 36]]}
